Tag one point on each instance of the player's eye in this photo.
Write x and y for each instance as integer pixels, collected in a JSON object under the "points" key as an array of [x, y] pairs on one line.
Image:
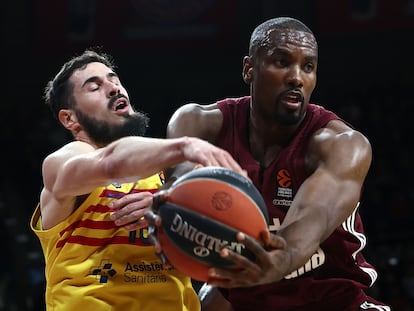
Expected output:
{"points": [[309, 67]]}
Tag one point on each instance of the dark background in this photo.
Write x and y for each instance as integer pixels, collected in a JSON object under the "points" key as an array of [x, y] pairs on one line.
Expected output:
{"points": [[173, 52]]}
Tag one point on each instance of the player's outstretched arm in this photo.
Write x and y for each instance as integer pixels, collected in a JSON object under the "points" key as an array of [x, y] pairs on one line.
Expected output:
{"points": [[77, 168]]}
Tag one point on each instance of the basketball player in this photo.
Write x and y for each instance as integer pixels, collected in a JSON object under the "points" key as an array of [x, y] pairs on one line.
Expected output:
{"points": [[96, 252], [310, 167]]}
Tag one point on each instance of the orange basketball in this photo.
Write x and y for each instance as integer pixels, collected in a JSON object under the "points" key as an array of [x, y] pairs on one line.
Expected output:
{"points": [[202, 213]]}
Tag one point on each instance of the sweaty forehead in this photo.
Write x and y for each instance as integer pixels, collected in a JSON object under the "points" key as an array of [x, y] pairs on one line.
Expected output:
{"points": [[277, 38], [95, 69]]}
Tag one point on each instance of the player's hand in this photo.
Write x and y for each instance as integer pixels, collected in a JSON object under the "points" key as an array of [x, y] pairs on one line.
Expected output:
{"points": [[154, 224], [271, 264], [206, 154], [129, 210]]}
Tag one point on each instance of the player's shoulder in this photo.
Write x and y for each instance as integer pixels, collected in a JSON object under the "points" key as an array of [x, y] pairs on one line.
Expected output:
{"points": [[192, 119], [195, 109], [338, 138], [338, 130], [193, 113]]}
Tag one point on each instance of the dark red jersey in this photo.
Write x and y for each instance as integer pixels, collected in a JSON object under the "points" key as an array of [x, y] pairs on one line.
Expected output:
{"points": [[335, 276]]}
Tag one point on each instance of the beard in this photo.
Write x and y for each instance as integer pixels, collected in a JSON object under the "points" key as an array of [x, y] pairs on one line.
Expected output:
{"points": [[102, 133], [289, 119]]}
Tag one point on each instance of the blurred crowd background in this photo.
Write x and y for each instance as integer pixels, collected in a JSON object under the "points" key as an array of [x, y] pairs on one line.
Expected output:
{"points": [[174, 52]]}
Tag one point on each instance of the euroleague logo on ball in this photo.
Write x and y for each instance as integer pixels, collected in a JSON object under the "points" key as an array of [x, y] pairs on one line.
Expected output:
{"points": [[221, 201]]}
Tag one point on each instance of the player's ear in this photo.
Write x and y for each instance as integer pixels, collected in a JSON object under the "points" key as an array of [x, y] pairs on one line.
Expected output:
{"points": [[68, 118], [247, 69]]}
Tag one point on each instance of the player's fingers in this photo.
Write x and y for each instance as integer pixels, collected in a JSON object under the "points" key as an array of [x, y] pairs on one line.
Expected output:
{"points": [[152, 218], [272, 241], [158, 198], [228, 278], [128, 210], [136, 225], [131, 217], [226, 160], [152, 236], [251, 243], [130, 199]]}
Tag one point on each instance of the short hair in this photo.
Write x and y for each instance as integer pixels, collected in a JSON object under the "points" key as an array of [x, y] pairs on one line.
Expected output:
{"points": [[57, 93], [260, 32]]}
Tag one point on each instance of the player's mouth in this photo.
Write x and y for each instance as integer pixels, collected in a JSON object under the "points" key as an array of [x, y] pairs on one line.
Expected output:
{"points": [[119, 104], [292, 100]]}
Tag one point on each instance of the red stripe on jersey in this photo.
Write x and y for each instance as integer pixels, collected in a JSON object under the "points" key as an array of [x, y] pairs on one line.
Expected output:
{"points": [[118, 194], [144, 190], [88, 223], [82, 240], [97, 208]]}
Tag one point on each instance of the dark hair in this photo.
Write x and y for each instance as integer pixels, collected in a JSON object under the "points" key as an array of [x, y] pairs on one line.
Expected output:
{"points": [[57, 94], [259, 34]]}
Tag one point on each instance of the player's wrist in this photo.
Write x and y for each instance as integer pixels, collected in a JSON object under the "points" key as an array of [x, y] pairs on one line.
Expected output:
{"points": [[183, 143]]}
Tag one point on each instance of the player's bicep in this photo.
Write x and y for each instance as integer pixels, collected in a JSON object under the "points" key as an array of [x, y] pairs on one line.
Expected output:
{"points": [[71, 171], [339, 162], [347, 156]]}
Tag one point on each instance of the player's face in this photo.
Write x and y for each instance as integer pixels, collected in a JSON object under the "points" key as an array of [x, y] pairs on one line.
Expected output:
{"points": [[102, 105], [284, 75]]}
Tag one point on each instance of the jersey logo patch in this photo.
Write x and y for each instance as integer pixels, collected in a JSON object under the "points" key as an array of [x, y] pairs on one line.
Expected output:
{"points": [[284, 184], [283, 178], [104, 271]]}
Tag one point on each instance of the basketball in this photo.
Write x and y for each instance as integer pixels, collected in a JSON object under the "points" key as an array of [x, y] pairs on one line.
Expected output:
{"points": [[202, 212]]}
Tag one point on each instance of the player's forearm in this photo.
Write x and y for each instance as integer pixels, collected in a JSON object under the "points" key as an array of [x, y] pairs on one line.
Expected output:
{"points": [[302, 242], [305, 228], [141, 157]]}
